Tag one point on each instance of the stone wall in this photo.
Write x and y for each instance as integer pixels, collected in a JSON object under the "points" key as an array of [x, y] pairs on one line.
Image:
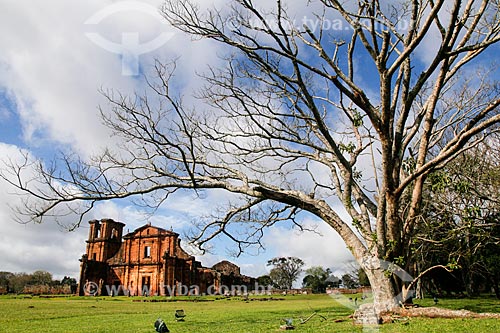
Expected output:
{"points": [[149, 260]]}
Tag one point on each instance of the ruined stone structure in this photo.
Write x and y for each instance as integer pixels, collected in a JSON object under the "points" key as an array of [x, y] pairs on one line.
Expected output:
{"points": [[147, 261]]}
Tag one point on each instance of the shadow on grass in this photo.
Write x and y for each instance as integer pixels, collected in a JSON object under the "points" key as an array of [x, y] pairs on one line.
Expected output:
{"points": [[480, 304]]}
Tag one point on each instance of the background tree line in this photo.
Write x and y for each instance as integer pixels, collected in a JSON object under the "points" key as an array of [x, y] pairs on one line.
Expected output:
{"points": [[286, 270], [460, 227], [36, 282]]}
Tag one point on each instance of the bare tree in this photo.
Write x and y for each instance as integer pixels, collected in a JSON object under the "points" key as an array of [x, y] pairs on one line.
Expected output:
{"points": [[285, 271], [302, 118]]}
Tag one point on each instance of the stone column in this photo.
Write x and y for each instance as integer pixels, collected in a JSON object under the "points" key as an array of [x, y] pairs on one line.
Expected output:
{"points": [[83, 274]]}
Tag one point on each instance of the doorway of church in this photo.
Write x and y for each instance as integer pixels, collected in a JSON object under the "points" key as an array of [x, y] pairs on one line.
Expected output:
{"points": [[146, 285]]}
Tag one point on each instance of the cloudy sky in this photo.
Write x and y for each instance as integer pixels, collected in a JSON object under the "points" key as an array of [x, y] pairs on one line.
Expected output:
{"points": [[56, 56]]}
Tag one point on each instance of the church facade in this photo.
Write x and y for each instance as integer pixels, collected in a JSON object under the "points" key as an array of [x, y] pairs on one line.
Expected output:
{"points": [[148, 261]]}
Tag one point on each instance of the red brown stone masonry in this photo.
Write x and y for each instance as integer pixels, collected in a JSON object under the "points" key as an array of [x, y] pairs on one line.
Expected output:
{"points": [[147, 261]]}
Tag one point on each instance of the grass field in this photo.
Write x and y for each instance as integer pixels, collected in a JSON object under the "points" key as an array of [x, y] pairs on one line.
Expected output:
{"points": [[122, 314]]}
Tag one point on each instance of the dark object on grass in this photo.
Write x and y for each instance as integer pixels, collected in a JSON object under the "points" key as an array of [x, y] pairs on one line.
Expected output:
{"points": [[435, 300], [179, 315], [288, 324], [160, 326]]}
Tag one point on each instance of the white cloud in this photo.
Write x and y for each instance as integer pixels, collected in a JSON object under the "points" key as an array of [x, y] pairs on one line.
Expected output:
{"points": [[254, 270], [321, 248], [134, 217], [30, 247], [54, 72]]}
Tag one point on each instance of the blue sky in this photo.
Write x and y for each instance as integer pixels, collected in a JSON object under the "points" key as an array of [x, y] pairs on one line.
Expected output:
{"points": [[11, 124], [50, 74]]}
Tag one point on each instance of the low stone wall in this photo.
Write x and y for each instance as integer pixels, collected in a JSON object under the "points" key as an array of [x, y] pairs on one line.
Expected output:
{"points": [[303, 291], [47, 290], [360, 290]]}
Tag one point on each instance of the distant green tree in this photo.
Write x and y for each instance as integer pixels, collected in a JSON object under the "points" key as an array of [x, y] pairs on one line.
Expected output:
{"points": [[363, 278], [41, 278], [490, 256], [358, 275], [5, 278], [70, 282], [349, 282], [316, 278], [333, 281], [285, 271], [18, 281], [265, 280]]}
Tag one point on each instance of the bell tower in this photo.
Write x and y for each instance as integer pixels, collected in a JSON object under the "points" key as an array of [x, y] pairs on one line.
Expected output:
{"points": [[105, 238]]}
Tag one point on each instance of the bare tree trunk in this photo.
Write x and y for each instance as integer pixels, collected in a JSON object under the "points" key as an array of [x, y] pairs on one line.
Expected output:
{"points": [[419, 290], [496, 287], [384, 293]]}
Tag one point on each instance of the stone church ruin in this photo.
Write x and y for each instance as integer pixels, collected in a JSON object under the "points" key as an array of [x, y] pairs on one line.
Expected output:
{"points": [[149, 261]]}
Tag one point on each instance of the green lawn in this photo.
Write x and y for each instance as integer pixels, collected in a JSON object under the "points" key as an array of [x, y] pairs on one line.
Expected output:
{"points": [[122, 314]]}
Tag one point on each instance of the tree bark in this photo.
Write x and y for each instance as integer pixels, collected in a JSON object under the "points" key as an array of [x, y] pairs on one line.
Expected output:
{"points": [[384, 294]]}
